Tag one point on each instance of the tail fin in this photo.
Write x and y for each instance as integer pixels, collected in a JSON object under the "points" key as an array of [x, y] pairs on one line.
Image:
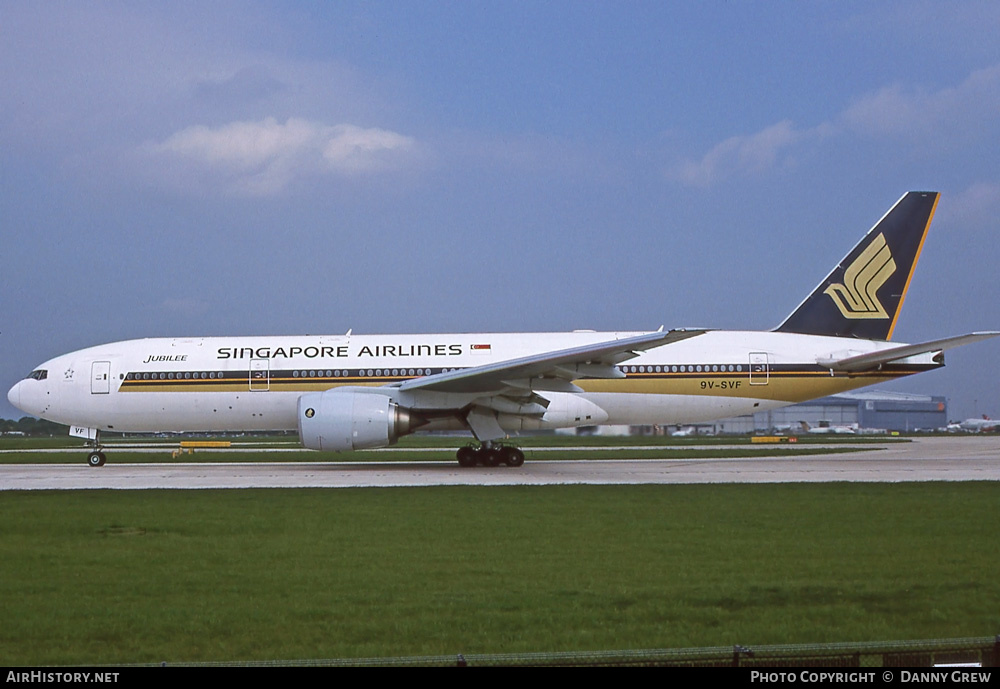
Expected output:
{"points": [[862, 296]]}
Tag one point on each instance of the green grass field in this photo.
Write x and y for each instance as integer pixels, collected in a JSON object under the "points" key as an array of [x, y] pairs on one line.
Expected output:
{"points": [[146, 576]]}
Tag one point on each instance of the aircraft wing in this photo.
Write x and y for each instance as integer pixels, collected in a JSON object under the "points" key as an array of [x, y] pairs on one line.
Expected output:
{"points": [[551, 371], [864, 362]]}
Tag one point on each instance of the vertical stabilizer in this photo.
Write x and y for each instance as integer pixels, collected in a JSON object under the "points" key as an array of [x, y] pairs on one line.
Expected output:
{"points": [[862, 296]]}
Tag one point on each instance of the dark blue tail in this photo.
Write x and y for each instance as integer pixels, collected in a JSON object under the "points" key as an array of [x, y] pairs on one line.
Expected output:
{"points": [[862, 296]]}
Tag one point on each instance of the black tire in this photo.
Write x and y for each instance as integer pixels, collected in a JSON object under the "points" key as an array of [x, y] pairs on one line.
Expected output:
{"points": [[466, 456], [492, 457], [96, 459], [513, 457]]}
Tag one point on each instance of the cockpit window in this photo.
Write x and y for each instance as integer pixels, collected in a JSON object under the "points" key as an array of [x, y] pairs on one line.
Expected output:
{"points": [[40, 374]]}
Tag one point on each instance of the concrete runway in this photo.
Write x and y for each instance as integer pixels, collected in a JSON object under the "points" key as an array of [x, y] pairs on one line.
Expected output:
{"points": [[962, 458]]}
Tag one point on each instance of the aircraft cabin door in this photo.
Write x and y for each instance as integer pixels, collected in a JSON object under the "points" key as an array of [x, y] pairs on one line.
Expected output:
{"points": [[100, 378], [759, 369], [260, 374]]}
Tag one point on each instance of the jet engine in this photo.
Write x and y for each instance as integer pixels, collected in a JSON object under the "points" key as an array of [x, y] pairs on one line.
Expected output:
{"points": [[352, 419]]}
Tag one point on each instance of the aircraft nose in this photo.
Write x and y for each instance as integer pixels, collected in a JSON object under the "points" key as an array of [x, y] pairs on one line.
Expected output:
{"points": [[14, 395]]}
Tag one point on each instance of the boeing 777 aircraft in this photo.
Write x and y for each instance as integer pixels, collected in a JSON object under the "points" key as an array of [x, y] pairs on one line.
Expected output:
{"points": [[348, 392]]}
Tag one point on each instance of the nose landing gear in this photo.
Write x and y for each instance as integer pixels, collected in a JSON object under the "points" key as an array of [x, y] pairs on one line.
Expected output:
{"points": [[96, 457]]}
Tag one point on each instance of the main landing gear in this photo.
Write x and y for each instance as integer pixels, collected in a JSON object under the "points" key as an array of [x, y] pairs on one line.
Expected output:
{"points": [[490, 455]]}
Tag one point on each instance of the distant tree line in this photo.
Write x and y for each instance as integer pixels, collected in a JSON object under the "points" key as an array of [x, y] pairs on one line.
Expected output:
{"points": [[30, 426]]}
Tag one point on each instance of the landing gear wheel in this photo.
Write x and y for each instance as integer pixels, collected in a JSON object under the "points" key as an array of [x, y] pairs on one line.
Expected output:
{"points": [[467, 456], [512, 456], [96, 459], [492, 457]]}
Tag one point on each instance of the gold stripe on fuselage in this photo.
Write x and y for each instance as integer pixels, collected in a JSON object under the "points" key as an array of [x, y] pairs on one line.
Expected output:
{"points": [[780, 386], [788, 385]]}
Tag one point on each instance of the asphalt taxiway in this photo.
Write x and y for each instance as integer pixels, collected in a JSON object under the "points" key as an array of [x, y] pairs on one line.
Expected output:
{"points": [[965, 458]]}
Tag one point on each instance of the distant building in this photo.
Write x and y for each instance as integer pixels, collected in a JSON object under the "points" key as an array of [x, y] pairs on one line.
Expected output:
{"points": [[889, 411]]}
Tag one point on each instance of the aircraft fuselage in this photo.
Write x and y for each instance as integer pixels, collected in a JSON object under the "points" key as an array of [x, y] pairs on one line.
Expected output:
{"points": [[253, 383]]}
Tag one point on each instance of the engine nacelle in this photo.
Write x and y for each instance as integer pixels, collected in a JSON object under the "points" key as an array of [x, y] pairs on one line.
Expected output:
{"points": [[351, 419]]}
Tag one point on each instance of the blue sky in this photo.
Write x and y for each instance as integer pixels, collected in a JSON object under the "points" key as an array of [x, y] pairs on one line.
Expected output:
{"points": [[276, 168]]}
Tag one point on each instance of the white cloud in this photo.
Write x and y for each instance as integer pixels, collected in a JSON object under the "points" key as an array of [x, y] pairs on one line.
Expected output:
{"points": [[352, 149], [242, 145], [948, 117], [267, 156], [895, 110], [740, 154]]}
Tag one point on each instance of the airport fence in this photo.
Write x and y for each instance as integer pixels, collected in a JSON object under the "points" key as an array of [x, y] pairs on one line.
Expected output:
{"points": [[981, 651]]}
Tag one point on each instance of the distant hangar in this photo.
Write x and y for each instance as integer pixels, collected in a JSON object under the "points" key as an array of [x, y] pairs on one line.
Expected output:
{"points": [[889, 411]]}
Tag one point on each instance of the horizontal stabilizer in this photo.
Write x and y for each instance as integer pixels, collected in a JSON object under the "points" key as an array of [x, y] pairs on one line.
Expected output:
{"points": [[864, 362]]}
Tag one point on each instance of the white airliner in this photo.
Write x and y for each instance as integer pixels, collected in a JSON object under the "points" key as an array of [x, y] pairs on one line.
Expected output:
{"points": [[685, 432], [983, 425], [826, 429], [347, 392]]}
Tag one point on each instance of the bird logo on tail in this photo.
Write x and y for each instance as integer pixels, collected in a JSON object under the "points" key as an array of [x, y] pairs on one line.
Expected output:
{"points": [[857, 296]]}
